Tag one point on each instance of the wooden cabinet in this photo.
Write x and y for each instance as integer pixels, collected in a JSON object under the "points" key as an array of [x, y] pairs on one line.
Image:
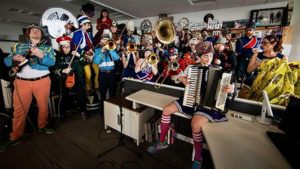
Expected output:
{"points": [[133, 120]]}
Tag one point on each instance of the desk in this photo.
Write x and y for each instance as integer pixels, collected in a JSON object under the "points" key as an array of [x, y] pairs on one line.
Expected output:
{"points": [[154, 100], [240, 144]]}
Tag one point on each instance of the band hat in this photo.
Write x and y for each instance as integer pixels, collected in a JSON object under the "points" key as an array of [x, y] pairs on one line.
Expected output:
{"points": [[114, 23], [35, 26], [205, 48], [173, 51], [193, 40], [83, 19], [105, 36], [220, 40], [130, 26], [250, 25], [106, 31], [64, 40]]}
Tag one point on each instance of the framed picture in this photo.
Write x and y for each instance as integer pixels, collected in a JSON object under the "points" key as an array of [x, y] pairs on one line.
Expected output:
{"points": [[269, 17], [241, 24]]}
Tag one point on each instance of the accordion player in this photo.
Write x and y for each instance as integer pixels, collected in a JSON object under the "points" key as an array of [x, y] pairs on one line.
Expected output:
{"points": [[204, 90]]}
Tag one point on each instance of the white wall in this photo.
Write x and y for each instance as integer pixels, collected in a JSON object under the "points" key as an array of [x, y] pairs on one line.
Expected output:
{"points": [[295, 22], [9, 32], [219, 14]]}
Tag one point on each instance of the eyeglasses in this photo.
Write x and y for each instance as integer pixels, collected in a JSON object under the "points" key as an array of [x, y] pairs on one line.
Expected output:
{"points": [[264, 43]]}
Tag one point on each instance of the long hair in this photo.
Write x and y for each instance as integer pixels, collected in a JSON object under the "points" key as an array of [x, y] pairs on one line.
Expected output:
{"points": [[28, 32], [273, 39], [101, 14]]}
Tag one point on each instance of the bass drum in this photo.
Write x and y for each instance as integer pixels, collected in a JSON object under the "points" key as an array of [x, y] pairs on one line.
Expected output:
{"points": [[55, 20]]}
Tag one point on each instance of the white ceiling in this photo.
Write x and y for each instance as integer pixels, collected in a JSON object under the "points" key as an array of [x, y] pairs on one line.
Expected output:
{"points": [[118, 9]]}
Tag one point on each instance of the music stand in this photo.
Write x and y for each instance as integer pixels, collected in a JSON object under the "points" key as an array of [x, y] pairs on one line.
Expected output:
{"points": [[121, 141]]}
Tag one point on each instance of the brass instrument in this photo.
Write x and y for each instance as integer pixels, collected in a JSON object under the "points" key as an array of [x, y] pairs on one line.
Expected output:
{"points": [[152, 59], [131, 46], [165, 31], [110, 45], [174, 66]]}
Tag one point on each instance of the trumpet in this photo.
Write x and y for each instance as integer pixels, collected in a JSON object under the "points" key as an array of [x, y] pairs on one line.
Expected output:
{"points": [[110, 45], [174, 66]]}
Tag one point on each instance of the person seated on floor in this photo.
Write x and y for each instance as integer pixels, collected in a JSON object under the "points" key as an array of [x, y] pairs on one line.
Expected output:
{"points": [[60, 72], [271, 46], [200, 116], [145, 70]]}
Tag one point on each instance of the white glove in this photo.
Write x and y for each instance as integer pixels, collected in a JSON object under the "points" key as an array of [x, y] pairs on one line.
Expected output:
{"points": [[75, 53], [67, 70]]}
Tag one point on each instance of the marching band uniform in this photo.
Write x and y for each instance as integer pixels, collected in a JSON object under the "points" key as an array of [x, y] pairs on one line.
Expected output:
{"points": [[144, 70], [107, 76], [128, 37], [59, 77], [171, 75], [32, 80], [128, 70], [87, 44], [244, 46]]}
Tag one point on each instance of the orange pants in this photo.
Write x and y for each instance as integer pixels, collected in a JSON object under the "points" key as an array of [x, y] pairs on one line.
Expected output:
{"points": [[24, 90]]}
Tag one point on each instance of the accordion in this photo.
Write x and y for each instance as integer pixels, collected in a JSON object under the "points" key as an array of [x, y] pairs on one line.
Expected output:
{"points": [[205, 88]]}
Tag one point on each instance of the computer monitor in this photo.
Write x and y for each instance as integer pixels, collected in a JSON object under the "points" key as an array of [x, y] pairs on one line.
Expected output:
{"points": [[266, 109]]}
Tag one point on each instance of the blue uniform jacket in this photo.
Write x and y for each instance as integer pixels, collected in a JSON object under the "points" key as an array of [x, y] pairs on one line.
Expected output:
{"points": [[35, 62], [244, 50], [104, 59], [126, 39], [78, 35]]}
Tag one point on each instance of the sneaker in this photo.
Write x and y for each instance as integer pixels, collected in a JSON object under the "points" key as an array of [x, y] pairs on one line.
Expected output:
{"points": [[47, 130], [157, 147], [10, 143], [84, 116], [197, 164]]}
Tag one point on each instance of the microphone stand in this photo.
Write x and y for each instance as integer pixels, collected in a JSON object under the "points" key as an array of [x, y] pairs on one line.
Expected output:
{"points": [[121, 138]]}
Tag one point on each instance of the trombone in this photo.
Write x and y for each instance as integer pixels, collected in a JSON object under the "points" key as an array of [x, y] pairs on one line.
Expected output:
{"points": [[152, 59], [174, 66], [110, 45], [131, 47]]}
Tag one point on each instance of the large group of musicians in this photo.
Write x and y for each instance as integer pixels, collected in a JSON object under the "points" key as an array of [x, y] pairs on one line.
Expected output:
{"points": [[100, 62]]}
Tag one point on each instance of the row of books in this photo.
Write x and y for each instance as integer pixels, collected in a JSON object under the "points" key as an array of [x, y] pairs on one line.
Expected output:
{"points": [[153, 129]]}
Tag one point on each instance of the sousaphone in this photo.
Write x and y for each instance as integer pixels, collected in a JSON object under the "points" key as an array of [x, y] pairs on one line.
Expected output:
{"points": [[165, 30]]}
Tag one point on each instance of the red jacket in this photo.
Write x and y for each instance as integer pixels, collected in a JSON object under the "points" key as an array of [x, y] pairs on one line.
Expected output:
{"points": [[171, 73]]}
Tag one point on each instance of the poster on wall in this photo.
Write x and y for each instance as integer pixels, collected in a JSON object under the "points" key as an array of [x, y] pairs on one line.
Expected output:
{"points": [[269, 17]]}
